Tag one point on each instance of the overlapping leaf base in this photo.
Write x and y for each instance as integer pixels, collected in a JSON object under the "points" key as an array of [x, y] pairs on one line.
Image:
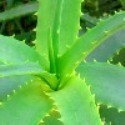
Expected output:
{"points": [[27, 106], [76, 104]]}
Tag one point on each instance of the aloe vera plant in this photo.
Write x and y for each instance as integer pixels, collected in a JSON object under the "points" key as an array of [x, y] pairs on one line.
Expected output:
{"points": [[52, 84]]}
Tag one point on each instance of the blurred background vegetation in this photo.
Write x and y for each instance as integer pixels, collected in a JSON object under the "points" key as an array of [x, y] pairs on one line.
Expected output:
{"points": [[18, 19]]}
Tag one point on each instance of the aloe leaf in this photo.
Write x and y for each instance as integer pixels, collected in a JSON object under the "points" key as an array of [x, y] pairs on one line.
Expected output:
{"points": [[28, 69], [11, 83], [105, 51], [107, 81], [26, 106], [56, 19], [70, 26], [111, 115], [68, 101], [18, 52], [21, 69], [45, 22], [53, 49], [64, 32], [89, 41]]}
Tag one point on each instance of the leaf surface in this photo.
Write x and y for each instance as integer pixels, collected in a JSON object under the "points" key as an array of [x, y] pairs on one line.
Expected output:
{"points": [[69, 24], [107, 81], [26, 106], [13, 76], [46, 18], [34, 69], [76, 104], [108, 48], [89, 41], [64, 30], [11, 83], [21, 69], [18, 52]]}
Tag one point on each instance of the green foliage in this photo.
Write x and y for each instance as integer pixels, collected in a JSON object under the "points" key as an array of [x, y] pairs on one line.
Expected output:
{"points": [[123, 3], [111, 115], [18, 11], [50, 84], [96, 73]]}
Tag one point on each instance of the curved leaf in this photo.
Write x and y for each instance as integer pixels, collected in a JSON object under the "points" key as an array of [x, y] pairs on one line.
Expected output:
{"points": [[76, 104], [27, 69], [56, 19], [89, 41], [8, 84], [45, 22], [107, 81], [12, 76], [21, 69], [18, 52], [69, 27], [26, 106], [109, 47]]}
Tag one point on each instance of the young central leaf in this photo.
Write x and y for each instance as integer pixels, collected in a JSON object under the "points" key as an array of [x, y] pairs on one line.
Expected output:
{"points": [[57, 29]]}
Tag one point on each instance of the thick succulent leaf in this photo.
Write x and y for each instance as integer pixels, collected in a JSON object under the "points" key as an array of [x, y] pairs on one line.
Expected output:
{"points": [[12, 76], [76, 104], [12, 51], [27, 106], [28, 69], [89, 41], [56, 19], [11, 83], [21, 69], [70, 26], [107, 81], [110, 46], [52, 50], [111, 115], [45, 22]]}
